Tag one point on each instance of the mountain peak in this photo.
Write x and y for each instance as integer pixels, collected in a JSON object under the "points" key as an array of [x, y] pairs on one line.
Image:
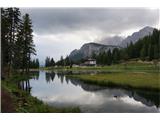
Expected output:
{"points": [[147, 28], [87, 49], [136, 36]]}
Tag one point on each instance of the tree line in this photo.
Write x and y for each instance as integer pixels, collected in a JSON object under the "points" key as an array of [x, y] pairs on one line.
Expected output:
{"points": [[34, 63], [49, 62], [146, 48], [16, 41]]}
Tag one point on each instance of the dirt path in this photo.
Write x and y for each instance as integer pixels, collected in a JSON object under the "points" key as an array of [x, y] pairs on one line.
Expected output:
{"points": [[7, 104]]}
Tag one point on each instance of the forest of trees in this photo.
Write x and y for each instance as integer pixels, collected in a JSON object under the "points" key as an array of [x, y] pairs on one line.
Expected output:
{"points": [[64, 61], [146, 48], [34, 63], [49, 62], [18, 47], [16, 41]]}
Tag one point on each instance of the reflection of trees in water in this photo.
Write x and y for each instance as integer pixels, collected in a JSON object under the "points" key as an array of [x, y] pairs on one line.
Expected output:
{"points": [[67, 79], [61, 76], [50, 76], [34, 75], [148, 98], [25, 85]]}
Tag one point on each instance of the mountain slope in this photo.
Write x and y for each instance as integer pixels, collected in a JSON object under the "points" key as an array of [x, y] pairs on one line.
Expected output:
{"points": [[136, 36], [115, 40], [88, 49], [119, 41]]}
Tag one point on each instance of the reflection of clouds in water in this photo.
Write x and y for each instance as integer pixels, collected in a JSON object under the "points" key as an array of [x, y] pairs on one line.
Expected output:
{"points": [[98, 102], [130, 101], [89, 98], [84, 98]]}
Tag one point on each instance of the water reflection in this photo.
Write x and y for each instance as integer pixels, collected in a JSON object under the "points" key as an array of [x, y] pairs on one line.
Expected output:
{"points": [[50, 77], [148, 98], [91, 98], [34, 75], [25, 85]]}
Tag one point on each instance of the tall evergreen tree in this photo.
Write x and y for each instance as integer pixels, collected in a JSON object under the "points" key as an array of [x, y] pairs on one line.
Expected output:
{"points": [[115, 55], [143, 52], [62, 61], [10, 26], [67, 61], [17, 40], [156, 52], [4, 40], [151, 52], [109, 57], [52, 62], [47, 62], [28, 42], [37, 63]]}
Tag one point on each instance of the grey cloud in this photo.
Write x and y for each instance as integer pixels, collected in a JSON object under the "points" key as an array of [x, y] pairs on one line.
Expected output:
{"points": [[98, 22], [109, 20], [115, 40]]}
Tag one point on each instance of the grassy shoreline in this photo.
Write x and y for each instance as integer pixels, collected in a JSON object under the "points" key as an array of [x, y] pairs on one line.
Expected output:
{"points": [[138, 80], [132, 66], [131, 74], [22, 102], [136, 75]]}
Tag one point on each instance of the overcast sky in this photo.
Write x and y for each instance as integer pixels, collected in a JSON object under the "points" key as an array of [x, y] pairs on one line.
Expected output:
{"points": [[58, 31]]}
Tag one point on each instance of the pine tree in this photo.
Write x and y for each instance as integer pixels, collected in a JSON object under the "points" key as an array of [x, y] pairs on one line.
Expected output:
{"points": [[17, 40], [52, 63], [156, 53], [37, 63], [109, 57], [104, 58], [67, 61], [143, 52], [115, 55], [151, 52], [10, 26], [4, 40], [47, 62], [28, 42], [18, 59], [61, 61]]}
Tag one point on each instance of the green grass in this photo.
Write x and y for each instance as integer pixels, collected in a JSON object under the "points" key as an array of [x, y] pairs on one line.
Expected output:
{"points": [[137, 74], [24, 102], [132, 66], [140, 80]]}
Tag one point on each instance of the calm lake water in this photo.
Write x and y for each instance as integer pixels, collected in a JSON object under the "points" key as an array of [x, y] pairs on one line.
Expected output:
{"points": [[58, 90]]}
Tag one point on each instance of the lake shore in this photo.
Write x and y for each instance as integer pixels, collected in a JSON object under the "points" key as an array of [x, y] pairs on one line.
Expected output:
{"points": [[21, 101], [132, 66], [138, 80], [131, 74]]}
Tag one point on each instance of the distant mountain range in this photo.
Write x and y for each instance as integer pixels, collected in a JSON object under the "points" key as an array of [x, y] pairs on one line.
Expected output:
{"points": [[119, 41], [88, 49], [136, 36], [113, 42]]}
